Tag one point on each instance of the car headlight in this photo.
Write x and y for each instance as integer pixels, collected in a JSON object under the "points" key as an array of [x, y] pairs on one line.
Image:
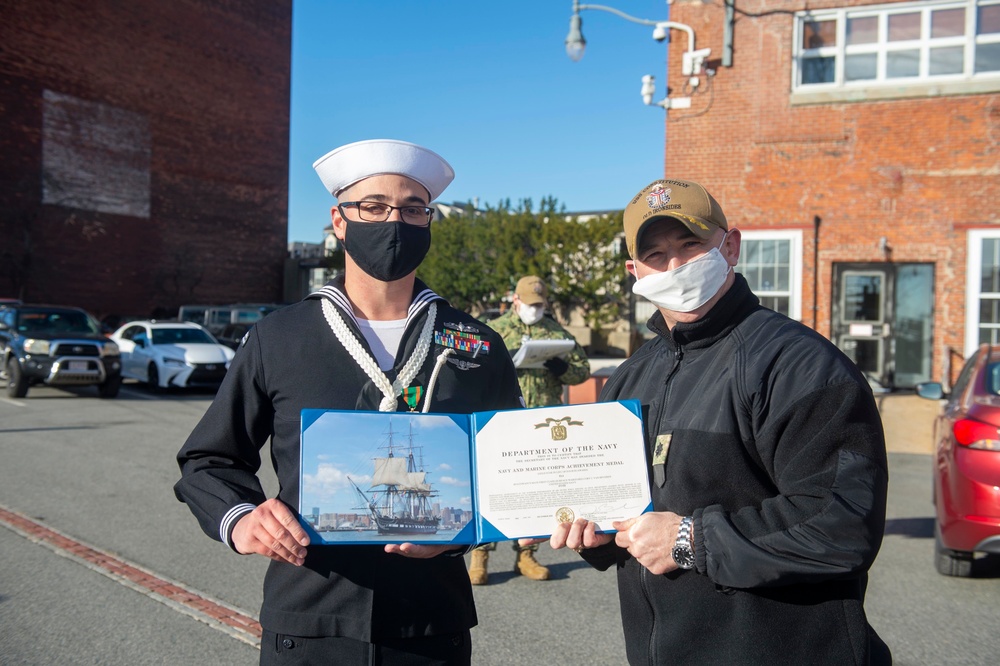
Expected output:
{"points": [[174, 362], [110, 349], [40, 347]]}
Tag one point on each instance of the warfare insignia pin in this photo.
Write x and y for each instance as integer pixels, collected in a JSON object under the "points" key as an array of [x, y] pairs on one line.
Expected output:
{"points": [[462, 364], [464, 328]]}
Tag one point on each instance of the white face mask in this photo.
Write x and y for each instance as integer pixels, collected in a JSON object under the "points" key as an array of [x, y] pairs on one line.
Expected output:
{"points": [[530, 314], [686, 287]]}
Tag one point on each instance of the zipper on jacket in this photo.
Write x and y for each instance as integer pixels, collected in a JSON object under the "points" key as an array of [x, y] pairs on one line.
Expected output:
{"points": [[678, 357], [644, 572]]}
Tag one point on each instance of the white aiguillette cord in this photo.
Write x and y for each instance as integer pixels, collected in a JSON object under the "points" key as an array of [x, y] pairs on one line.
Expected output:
{"points": [[390, 390]]}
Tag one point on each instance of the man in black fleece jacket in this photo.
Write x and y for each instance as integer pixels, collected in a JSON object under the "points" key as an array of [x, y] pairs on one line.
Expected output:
{"points": [[767, 464]]}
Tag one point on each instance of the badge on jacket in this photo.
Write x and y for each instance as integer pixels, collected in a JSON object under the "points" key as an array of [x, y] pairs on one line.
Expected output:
{"points": [[660, 449]]}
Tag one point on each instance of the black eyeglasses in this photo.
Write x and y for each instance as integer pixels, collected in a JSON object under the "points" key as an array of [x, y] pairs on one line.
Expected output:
{"points": [[376, 211]]}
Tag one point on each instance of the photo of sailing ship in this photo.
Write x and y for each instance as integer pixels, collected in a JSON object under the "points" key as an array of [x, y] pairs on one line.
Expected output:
{"points": [[385, 477]]}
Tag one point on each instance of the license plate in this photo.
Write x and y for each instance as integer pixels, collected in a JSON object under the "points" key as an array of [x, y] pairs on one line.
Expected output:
{"points": [[78, 365]]}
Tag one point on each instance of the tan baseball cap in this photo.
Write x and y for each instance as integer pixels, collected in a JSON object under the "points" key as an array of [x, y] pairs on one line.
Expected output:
{"points": [[531, 290], [681, 199]]}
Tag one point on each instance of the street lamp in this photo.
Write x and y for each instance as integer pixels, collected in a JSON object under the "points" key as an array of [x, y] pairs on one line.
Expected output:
{"points": [[691, 60]]}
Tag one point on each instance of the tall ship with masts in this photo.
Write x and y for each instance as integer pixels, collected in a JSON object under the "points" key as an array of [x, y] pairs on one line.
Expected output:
{"points": [[399, 498]]}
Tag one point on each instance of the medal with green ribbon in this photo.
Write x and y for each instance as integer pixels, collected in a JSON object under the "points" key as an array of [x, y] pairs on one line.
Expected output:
{"points": [[412, 395]]}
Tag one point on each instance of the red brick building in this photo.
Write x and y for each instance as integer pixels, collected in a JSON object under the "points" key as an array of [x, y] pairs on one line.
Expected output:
{"points": [[855, 144], [145, 152]]}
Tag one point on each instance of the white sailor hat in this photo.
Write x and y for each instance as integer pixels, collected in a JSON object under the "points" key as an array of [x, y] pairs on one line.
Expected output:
{"points": [[344, 166]]}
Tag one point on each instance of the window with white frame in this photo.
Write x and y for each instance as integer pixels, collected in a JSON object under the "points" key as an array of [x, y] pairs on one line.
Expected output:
{"points": [[982, 286], [900, 44], [771, 262]]}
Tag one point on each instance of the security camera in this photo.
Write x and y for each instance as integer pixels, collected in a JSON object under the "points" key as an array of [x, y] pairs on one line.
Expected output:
{"points": [[648, 88], [691, 61], [660, 33]]}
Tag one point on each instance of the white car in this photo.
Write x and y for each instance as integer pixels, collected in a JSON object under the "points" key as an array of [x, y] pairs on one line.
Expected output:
{"points": [[171, 353]]}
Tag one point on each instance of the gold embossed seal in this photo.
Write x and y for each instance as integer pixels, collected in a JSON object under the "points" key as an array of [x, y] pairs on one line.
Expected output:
{"points": [[564, 514]]}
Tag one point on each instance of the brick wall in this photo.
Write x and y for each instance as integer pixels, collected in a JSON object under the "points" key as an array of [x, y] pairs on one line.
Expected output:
{"points": [[145, 150], [919, 172]]}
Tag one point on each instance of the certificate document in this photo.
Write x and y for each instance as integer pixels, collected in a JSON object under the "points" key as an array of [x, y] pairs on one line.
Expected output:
{"points": [[536, 468], [392, 477]]}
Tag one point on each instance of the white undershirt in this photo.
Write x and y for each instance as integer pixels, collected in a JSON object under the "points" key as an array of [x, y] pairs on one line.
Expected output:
{"points": [[383, 337]]}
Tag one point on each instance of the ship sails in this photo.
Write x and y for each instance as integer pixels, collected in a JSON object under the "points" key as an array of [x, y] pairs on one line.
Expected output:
{"points": [[399, 497], [395, 472]]}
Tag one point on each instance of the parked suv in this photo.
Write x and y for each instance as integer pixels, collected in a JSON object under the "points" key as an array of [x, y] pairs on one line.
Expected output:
{"points": [[58, 346]]}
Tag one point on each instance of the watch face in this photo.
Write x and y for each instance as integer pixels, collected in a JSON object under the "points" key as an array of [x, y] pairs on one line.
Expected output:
{"points": [[684, 557]]}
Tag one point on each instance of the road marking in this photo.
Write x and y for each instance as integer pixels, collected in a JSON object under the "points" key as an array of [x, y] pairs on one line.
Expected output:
{"points": [[13, 402], [228, 619]]}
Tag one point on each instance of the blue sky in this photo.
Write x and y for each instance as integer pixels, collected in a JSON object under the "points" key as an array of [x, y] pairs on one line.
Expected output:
{"points": [[487, 85]]}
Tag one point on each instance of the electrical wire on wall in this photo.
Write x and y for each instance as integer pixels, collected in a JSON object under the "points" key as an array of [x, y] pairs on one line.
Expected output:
{"points": [[692, 91], [692, 86]]}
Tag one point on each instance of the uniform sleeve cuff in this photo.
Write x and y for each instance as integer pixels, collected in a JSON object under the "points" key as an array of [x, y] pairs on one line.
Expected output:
{"points": [[698, 543], [229, 522]]}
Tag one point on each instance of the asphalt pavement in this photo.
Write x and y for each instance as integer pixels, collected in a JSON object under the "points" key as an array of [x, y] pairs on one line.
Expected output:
{"points": [[100, 471], [96, 618]]}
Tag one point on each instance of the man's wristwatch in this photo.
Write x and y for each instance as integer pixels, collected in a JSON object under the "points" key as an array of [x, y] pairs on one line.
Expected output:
{"points": [[683, 552]]}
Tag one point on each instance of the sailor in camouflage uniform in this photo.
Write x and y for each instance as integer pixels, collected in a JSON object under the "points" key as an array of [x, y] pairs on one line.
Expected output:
{"points": [[540, 387]]}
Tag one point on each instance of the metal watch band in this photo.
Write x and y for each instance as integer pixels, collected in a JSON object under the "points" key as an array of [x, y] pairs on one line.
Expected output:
{"points": [[683, 553]]}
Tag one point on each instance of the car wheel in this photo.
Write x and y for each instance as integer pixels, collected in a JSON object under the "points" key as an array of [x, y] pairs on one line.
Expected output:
{"points": [[109, 388], [17, 383], [153, 378], [951, 562]]}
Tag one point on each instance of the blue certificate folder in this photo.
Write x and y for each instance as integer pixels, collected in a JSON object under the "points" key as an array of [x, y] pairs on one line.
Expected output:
{"points": [[395, 477]]}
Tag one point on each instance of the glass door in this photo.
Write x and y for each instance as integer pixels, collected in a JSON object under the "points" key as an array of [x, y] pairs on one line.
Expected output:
{"points": [[914, 324], [863, 327], [883, 316]]}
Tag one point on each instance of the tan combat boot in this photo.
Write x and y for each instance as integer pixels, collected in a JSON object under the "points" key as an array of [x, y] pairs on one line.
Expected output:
{"points": [[477, 567], [529, 567]]}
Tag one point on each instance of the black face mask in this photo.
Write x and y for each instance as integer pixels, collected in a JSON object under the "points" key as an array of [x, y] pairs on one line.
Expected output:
{"points": [[387, 251]]}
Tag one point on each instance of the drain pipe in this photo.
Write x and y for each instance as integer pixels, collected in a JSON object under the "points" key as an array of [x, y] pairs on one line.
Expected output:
{"points": [[816, 222]]}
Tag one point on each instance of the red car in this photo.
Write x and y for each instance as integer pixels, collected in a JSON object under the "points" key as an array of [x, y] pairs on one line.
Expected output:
{"points": [[967, 463]]}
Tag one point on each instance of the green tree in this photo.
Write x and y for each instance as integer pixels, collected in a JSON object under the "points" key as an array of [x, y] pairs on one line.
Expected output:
{"points": [[461, 261], [477, 257], [588, 270]]}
